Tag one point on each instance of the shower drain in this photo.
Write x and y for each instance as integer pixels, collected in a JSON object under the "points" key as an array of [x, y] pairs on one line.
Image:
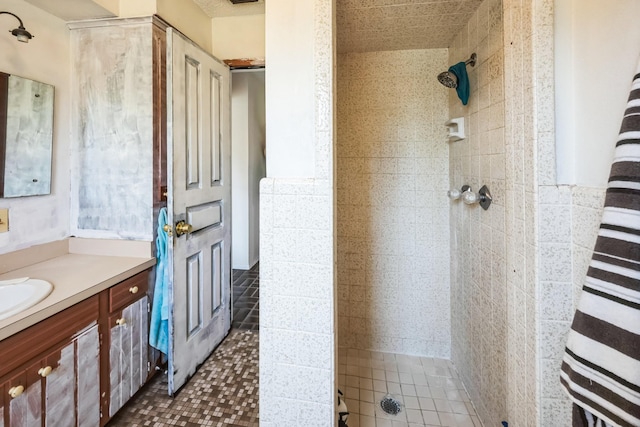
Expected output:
{"points": [[390, 405]]}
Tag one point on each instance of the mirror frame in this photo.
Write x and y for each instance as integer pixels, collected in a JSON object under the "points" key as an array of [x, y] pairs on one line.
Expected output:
{"points": [[5, 85]]}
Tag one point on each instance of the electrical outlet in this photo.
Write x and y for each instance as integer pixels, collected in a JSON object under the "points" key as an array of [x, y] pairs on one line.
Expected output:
{"points": [[4, 220]]}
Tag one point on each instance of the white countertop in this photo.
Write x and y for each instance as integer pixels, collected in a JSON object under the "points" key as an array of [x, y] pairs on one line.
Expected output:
{"points": [[74, 276]]}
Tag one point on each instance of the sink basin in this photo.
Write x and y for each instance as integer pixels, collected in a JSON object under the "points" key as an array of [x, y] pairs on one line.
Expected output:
{"points": [[19, 294]]}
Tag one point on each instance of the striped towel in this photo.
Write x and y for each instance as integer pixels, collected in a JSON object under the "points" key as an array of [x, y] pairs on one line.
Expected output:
{"points": [[601, 365]]}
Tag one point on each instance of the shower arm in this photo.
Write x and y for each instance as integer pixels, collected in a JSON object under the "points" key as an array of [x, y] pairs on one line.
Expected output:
{"points": [[471, 61]]}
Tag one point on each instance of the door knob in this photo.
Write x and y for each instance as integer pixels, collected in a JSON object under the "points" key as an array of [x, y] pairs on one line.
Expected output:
{"points": [[121, 321], [183, 228]]}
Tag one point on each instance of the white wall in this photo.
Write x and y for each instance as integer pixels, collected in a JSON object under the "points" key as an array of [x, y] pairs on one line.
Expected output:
{"points": [[257, 161], [248, 165], [290, 73], [597, 47], [40, 219], [238, 37], [239, 167], [184, 15]]}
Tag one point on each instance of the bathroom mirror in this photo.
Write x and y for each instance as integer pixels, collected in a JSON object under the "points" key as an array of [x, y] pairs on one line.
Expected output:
{"points": [[26, 136]]}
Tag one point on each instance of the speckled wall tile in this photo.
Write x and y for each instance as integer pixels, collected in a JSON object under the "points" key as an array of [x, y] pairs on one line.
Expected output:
{"points": [[393, 227], [587, 211], [486, 241]]}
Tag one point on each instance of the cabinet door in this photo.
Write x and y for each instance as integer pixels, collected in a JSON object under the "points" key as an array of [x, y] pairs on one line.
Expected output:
{"points": [[23, 398], [72, 382], [60, 386], [128, 353], [50, 372], [53, 388], [88, 377]]}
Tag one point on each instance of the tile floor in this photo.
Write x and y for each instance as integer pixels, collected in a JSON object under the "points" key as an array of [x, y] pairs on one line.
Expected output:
{"points": [[222, 393], [224, 390], [246, 305], [428, 390]]}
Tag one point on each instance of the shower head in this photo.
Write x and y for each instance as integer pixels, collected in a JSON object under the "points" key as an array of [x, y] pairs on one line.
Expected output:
{"points": [[449, 80]]}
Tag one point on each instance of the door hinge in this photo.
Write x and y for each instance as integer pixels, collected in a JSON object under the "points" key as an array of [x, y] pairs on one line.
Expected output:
{"points": [[148, 366], [148, 307]]}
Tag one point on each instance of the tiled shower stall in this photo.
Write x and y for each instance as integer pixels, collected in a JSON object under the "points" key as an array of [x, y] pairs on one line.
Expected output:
{"points": [[416, 273], [393, 212]]}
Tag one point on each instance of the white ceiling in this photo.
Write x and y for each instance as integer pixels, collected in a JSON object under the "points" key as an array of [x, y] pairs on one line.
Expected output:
{"points": [[379, 25], [73, 10], [362, 25], [221, 8]]}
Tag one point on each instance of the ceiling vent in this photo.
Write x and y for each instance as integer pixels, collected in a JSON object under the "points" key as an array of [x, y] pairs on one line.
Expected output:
{"points": [[242, 1]]}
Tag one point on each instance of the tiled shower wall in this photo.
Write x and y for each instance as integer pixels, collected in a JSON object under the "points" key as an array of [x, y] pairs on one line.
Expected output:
{"points": [[569, 222], [392, 219], [479, 240], [511, 265]]}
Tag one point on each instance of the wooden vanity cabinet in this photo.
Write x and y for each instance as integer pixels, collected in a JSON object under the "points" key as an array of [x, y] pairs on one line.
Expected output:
{"points": [[78, 367], [50, 371]]}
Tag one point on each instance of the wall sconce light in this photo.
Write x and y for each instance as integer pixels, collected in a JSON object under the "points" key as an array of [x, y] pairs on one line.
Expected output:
{"points": [[483, 197], [21, 33], [456, 194]]}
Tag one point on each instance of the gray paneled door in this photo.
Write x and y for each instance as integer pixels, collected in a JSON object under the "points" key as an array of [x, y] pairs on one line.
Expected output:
{"points": [[199, 204]]}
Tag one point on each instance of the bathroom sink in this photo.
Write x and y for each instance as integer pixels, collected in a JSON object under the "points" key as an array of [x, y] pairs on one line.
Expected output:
{"points": [[17, 295]]}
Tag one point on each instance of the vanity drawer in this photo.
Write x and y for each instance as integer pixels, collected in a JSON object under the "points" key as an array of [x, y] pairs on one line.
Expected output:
{"points": [[128, 291], [35, 340]]}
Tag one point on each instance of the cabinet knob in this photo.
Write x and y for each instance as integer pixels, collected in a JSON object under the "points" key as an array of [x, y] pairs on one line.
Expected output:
{"points": [[121, 321], [133, 290], [16, 391], [44, 372]]}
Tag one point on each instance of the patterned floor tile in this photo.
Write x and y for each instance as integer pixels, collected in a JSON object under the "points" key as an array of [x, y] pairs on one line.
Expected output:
{"points": [[222, 393]]}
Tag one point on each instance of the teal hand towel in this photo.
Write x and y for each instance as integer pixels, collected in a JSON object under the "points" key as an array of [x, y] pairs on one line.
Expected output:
{"points": [[159, 326], [460, 71]]}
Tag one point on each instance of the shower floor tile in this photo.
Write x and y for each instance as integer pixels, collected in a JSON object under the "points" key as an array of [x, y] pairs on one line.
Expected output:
{"points": [[222, 393], [428, 390]]}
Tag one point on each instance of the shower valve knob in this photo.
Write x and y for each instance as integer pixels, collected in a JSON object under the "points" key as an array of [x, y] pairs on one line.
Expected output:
{"points": [[455, 194], [483, 197]]}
